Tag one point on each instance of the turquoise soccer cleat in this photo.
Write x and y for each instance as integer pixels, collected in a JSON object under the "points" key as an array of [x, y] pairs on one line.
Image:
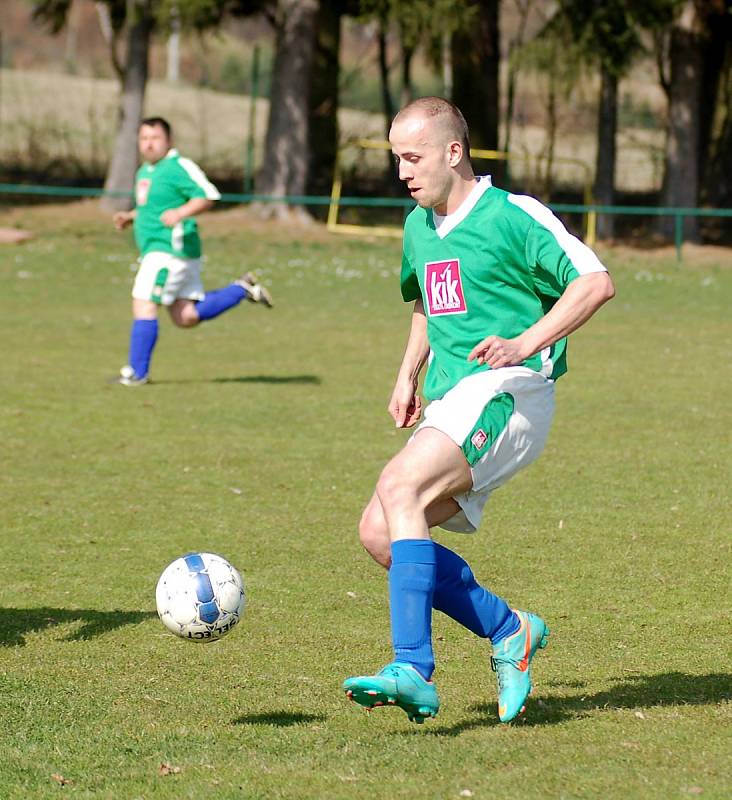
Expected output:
{"points": [[397, 684], [511, 661]]}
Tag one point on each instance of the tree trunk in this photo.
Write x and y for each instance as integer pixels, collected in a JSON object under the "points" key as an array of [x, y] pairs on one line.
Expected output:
{"points": [[284, 170], [547, 179], [475, 59], [407, 92], [122, 168], [681, 178], [448, 82], [523, 9], [386, 102], [173, 51], [323, 99], [607, 123], [716, 112], [718, 172]]}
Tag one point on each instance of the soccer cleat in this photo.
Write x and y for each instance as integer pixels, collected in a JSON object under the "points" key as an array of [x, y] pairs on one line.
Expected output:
{"points": [[397, 684], [127, 377], [511, 662], [256, 293]]}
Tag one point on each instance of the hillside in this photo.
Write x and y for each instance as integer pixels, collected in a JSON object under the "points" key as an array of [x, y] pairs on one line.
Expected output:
{"points": [[62, 126]]}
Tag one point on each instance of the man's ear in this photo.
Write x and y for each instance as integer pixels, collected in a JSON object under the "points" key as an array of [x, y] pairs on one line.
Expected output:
{"points": [[454, 153]]}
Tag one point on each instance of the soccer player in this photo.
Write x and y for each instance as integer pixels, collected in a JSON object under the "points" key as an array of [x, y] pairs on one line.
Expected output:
{"points": [[497, 283], [169, 192]]}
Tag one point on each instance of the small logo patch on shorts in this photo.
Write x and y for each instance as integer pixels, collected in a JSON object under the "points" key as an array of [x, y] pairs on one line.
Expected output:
{"points": [[479, 438]]}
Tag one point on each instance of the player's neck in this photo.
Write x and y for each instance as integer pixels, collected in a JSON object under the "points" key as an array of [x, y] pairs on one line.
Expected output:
{"points": [[459, 192]]}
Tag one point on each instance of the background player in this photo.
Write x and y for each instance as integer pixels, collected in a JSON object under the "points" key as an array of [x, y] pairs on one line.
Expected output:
{"points": [[497, 284], [169, 192]]}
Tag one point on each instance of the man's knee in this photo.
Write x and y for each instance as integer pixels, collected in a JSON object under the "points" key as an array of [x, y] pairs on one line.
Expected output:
{"points": [[144, 309], [184, 316], [374, 535], [395, 489]]}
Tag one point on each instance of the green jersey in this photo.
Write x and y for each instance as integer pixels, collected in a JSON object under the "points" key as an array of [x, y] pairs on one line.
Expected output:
{"points": [[167, 184], [493, 267]]}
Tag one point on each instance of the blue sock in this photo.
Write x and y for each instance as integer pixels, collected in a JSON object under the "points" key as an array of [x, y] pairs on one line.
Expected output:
{"points": [[143, 335], [461, 597], [220, 300], [411, 583]]}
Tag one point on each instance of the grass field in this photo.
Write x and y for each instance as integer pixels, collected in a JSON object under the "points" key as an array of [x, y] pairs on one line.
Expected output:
{"points": [[261, 439]]}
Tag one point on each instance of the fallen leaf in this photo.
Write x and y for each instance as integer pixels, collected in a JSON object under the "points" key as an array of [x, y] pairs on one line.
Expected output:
{"points": [[466, 793], [640, 715], [60, 779], [692, 789], [351, 594], [168, 769]]}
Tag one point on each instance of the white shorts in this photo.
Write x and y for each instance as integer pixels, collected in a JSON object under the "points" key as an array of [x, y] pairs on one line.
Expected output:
{"points": [[500, 419], [164, 278]]}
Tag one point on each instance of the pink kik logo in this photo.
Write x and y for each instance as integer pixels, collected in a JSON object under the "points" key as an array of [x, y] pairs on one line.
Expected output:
{"points": [[143, 189], [444, 288]]}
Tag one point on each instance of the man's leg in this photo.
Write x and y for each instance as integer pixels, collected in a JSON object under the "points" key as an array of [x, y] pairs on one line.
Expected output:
{"points": [[515, 635], [143, 337], [218, 301], [456, 592], [429, 469]]}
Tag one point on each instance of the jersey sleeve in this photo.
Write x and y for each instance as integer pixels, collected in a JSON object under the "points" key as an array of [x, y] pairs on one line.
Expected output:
{"points": [[555, 256], [409, 281], [194, 183]]}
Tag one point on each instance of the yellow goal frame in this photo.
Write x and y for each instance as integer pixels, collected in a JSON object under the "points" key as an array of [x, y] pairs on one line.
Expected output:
{"points": [[395, 231]]}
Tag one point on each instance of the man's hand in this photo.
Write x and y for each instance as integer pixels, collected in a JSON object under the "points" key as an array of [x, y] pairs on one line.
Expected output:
{"points": [[405, 405], [171, 217], [578, 303], [122, 219], [498, 352]]}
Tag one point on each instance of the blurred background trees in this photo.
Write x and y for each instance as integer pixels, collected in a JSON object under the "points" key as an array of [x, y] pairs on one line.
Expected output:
{"points": [[528, 74]]}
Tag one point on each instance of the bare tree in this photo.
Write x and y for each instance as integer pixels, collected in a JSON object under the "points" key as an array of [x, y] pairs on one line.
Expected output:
{"points": [[130, 25], [681, 177], [716, 123], [134, 74], [285, 167], [523, 7], [475, 62], [323, 93]]}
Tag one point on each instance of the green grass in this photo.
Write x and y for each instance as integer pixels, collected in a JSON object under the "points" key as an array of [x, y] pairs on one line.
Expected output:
{"points": [[261, 439]]}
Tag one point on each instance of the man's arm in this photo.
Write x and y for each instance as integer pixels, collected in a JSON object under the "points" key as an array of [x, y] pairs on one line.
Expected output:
{"points": [[124, 218], [577, 304], [196, 205], [405, 405]]}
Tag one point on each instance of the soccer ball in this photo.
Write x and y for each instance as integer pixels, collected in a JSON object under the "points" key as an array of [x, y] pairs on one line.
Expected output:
{"points": [[200, 596]]}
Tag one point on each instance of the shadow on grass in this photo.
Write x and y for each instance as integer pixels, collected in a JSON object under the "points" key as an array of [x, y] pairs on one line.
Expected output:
{"points": [[279, 719], [643, 691], [17, 623], [312, 380]]}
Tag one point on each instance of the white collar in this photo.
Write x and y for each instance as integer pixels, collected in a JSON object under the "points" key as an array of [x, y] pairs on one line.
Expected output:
{"points": [[444, 224]]}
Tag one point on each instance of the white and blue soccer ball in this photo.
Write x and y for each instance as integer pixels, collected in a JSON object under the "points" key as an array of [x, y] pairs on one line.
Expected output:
{"points": [[200, 596]]}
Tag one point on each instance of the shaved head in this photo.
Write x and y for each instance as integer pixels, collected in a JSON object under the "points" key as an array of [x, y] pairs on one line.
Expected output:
{"points": [[429, 140], [447, 119]]}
